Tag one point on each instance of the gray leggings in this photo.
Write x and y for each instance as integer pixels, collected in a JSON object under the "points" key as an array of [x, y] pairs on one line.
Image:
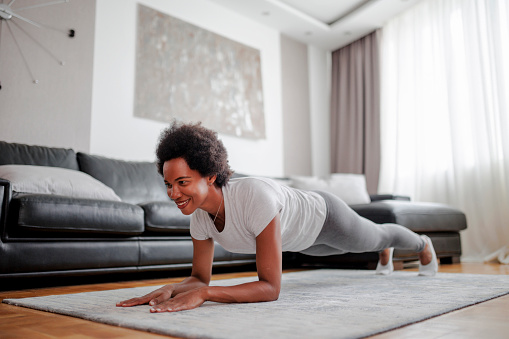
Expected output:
{"points": [[345, 231]]}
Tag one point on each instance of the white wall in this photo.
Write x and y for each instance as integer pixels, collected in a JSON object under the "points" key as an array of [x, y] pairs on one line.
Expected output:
{"points": [[319, 93], [306, 115], [295, 100], [56, 111], [117, 133]]}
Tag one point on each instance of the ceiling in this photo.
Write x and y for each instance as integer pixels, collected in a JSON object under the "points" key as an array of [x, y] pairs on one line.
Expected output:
{"points": [[327, 24]]}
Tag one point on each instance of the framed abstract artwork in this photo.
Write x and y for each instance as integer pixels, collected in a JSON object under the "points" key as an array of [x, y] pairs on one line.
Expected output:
{"points": [[187, 73]]}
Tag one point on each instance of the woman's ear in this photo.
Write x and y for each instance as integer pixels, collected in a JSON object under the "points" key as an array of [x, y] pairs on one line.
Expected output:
{"points": [[212, 179]]}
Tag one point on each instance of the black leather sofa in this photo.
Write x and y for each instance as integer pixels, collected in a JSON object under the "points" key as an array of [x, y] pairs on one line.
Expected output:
{"points": [[56, 235]]}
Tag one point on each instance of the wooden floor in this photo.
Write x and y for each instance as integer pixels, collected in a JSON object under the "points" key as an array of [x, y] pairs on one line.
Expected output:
{"points": [[485, 320]]}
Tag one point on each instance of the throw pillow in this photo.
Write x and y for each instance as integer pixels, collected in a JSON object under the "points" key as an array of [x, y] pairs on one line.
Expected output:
{"points": [[56, 181], [351, 188], [309, 183]]}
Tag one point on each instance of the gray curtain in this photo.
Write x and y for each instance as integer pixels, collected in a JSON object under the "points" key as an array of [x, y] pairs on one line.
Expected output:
{"points": [[355, 110]]}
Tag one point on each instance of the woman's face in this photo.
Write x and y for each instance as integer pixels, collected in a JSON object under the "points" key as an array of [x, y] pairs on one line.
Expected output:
{"points": [[186, 187]]}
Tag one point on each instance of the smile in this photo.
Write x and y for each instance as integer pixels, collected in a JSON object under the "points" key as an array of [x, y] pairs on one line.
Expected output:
{"points": [[182, 204]]}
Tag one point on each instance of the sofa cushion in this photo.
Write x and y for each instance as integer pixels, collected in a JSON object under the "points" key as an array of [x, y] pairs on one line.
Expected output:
{"points": [[165, 217], [133, 181], [54, 180], [43, 212], [417, 216], [20, 154]]}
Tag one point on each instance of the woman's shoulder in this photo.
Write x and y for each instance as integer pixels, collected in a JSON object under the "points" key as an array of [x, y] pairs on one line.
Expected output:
{"points": [[253, 195], [253, 188], [253, 183]]}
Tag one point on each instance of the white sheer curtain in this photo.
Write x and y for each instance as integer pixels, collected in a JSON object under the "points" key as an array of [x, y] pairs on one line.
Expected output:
{"points": [[445, 113]]}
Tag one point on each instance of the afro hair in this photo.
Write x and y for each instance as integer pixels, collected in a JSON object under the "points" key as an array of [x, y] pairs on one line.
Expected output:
{"points": [[198, 146]]}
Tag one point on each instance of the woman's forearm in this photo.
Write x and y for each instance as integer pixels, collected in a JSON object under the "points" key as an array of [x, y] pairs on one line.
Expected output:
{"points": [[257, 291]]}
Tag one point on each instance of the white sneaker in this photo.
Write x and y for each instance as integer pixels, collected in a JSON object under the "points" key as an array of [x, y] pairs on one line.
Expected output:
{"points": [[388, 268], [432, 268]]}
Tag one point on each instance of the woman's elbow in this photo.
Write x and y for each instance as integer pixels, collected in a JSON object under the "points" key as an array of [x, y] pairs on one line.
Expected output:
{"points": [[273, 295]]}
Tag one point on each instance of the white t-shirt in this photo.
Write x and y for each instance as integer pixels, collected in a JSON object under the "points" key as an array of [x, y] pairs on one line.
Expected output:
{"points": [[251, 203]]}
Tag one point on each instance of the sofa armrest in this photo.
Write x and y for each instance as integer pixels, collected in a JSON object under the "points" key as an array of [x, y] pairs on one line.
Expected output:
{"points": [[378, 197], [5, 200]]}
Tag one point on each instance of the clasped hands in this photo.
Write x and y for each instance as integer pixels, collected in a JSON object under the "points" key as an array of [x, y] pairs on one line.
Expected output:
{"points": [[163, 300]]}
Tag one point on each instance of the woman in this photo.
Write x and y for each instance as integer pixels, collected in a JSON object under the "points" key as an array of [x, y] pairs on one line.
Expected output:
{"points": [[257, 215]]}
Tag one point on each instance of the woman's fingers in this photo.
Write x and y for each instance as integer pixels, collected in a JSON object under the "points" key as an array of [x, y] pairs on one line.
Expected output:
{"points": [[159, 299], [136, 301], [181, 302], [153, 298], [130, 302]]}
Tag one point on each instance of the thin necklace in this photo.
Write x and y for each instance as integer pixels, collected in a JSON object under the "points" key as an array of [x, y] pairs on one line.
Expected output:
{"points": [[221, 204]]}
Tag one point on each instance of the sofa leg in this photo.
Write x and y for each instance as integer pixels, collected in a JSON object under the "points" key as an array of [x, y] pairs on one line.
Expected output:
{"points": [[450, 260]]}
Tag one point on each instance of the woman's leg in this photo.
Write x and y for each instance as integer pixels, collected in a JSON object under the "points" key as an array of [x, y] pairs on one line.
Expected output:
{"points": [[346, 231]]}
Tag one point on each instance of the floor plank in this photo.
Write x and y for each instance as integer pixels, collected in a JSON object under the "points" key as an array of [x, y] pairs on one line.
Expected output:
{"points": [[486, 320]]}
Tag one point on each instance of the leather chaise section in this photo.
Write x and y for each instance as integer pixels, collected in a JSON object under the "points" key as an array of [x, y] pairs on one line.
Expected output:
{"points": [[418, 216], [23, 257], [156, 251], [63, 214]]}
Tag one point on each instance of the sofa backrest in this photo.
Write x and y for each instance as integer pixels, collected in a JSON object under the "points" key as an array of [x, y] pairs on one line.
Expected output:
{"points": [[133, 181], [20, 154]]}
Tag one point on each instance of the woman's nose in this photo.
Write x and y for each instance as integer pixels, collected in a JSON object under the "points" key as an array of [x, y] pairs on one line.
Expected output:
{"points": [[174, 193]]}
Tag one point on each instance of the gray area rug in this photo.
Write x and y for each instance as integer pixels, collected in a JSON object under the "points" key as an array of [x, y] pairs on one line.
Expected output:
{"points": [[317, 304]]}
